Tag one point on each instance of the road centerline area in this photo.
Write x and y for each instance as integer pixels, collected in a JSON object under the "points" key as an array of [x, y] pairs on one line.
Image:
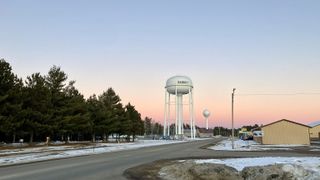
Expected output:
{"points": [[99, 166]]}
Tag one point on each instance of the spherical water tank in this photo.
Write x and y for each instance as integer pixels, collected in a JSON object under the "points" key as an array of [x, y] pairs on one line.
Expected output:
{"points": [[181, 84], [206, 113]]}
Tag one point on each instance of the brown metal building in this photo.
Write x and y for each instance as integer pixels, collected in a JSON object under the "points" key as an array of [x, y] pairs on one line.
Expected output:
{"points": [[285, 132], [315, 132]]}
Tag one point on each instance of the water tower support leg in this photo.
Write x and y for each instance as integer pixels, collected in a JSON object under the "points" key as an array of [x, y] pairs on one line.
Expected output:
{"points": [[193, 120], [168, 117], [181, 113], [176, 125], [165, 113], [190, 114], [207, 125], [178, 114]]}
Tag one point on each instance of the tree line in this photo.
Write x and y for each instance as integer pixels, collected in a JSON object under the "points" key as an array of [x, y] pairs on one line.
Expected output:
{"points": [[228, 132], [49, 105], [152, 128]]}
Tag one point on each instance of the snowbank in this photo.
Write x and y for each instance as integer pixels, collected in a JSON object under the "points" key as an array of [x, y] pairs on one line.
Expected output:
{"points": [[25, 155], [240, 145], [300, 167], [312, 163]]}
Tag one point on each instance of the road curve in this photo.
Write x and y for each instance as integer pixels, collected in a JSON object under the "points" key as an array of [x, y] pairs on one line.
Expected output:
{"points": [[102, 166], [112, 165]]}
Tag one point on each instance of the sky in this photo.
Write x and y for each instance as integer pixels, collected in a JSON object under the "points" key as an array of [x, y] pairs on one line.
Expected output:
{"points": [[258, 47]]}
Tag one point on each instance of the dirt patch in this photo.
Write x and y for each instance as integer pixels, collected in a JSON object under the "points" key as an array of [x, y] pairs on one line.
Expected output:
{"points": [[266, 172], [181, 170], [189, 170], [147, 171]]}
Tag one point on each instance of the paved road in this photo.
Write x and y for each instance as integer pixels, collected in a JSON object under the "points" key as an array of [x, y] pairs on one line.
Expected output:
{"points": [[112, 165]]}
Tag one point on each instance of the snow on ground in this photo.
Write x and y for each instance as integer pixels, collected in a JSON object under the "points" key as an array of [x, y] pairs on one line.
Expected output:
{"points": [[315, 150], [312, 163], [35, 150], [240, 145], [24, 155], [291, 164]]}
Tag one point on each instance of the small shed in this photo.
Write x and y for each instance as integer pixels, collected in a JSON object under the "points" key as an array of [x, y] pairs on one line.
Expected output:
{"points": [[285, 132], [315, 132]]}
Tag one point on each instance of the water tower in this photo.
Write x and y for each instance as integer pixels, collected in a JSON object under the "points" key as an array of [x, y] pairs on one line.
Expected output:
{"points": [[206, 115], [179, 87]]}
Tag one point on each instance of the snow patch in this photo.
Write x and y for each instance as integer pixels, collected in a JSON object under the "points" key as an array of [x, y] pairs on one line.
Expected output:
{"points": [[308, 163], [25, 155], [240, 145]]}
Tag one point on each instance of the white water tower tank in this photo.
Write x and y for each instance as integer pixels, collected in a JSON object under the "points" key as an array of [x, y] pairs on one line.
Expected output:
{"points": [[181, 84], [178, 86], [206, 114]]}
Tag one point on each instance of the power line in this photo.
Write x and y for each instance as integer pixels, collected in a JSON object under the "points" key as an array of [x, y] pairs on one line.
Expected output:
{"points": [[277, 94]]}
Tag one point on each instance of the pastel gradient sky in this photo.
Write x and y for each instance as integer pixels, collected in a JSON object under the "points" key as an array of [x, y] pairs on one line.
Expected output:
{"points": [[134, 46]]}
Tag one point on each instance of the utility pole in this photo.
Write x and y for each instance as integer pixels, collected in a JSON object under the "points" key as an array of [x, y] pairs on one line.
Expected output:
{"points": [[232, 138]]}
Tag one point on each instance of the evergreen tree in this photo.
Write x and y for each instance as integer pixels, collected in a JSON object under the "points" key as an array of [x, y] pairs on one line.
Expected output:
{"points": [[74, 112], [10, 100], [158, 129], [96, 116], [45, 106], [186, 126], [35, 105], [148, 125], [172, 128], [55, 81], [113, 113], [134, 124]]}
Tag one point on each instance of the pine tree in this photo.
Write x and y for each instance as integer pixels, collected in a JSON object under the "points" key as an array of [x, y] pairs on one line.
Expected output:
{"points": [[55, 81], [10, 100], [113, 114], [95, 115], [148, 125], [45, 106], [35, 105], [74, 113], [158, 128], [134, 125]]}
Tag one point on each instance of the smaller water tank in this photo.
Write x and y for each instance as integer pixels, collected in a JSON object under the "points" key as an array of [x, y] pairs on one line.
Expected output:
{"points": [[206, 113]]}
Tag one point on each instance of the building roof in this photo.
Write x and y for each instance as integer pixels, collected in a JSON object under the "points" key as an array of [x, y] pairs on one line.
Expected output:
{"points": [[287, 121], [314, 124]]}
